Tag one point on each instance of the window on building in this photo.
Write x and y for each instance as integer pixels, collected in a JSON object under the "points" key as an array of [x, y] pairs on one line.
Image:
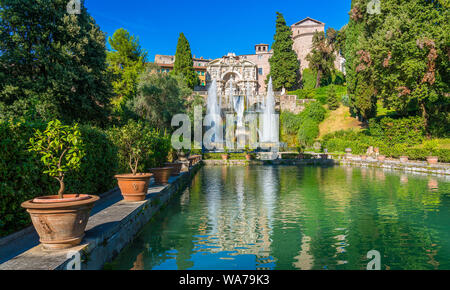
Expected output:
{"points": [[260, 71]]}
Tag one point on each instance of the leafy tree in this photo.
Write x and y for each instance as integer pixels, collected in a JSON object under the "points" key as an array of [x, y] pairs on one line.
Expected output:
{"points": [[322, 56], [134, 142], [126, 61], [401, 56], [160, 96], [61, 148], [333, 101], [52, 64], [184, 64], [284, 65]]}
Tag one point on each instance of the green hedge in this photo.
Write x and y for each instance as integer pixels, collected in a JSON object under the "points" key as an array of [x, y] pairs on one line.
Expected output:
{"points": [[359, 142], [21, 176]]}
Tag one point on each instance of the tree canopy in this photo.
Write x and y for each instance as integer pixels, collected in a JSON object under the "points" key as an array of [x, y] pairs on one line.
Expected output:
{"points": [[401, 58], [126, 61], [52, 64], [284, 64], [322, 56]]}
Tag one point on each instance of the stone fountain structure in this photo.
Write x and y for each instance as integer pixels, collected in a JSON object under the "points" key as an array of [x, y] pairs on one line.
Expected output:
{"points": [[247, 118]]}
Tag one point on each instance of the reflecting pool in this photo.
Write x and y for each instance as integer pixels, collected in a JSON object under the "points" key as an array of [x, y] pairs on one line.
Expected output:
{"points": [[288, 217]]}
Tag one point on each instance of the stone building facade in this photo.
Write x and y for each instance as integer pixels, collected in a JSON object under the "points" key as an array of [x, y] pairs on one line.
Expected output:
{"points": [[166, 62]]}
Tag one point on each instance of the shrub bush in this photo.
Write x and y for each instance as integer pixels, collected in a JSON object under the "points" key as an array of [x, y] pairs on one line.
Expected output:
{"points": [[308, 132]]}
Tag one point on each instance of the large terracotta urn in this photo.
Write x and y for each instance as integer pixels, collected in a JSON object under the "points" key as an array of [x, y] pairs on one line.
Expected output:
{"points": [[176, 167], [133, 187], [161, 174], [60, 223], [432, 159]]}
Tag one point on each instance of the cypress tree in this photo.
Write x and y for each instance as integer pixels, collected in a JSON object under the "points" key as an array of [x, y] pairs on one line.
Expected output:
{"points": [[284, 65], [333, 101], [183, 62], [52, 63]]}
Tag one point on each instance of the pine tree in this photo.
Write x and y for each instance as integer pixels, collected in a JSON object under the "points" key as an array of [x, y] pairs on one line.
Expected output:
{"points": [[183, 62], [52, 64], [284, 65], [126, 61]]}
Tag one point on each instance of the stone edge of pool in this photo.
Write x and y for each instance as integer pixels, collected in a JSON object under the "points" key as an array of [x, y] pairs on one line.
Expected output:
{"points": [[107, 231], [411, 166]]}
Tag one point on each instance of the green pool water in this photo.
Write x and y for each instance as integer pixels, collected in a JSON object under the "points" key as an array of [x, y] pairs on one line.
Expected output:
{"points": [[287, 217]]}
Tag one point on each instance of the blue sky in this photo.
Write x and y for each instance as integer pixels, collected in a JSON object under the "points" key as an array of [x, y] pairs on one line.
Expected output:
{"points": [[213, 28]]}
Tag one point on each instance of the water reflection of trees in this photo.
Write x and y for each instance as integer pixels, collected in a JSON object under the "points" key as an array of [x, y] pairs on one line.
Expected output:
{"points": [[302, 217]]}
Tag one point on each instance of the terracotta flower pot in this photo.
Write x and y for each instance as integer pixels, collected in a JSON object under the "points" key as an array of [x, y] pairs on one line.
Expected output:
{"points": [[363, 157], [248, 157], [403, 158], [133, 187], [176, 167], [161, 174], [224, 156], [381, 158], [60, 223], [432, 159]]}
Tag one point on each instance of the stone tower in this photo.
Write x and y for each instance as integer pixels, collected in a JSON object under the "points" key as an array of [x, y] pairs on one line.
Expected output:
{"points": [[302, 33]]}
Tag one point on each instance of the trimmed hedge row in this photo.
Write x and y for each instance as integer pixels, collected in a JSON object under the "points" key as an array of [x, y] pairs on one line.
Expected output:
{"points": [[359, 143]]}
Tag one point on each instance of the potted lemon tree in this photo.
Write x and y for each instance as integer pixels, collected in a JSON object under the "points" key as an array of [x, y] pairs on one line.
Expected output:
{"points": [[60, 220], [133, 141], [430, 146]]}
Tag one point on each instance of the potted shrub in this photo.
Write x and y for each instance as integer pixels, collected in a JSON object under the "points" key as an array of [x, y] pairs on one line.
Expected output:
{"points": [[381, 158], [403, 158], [225, 154], [248, 156], [430, 146], [176, 167], [133, 142], [161, 174], [60, 220]]}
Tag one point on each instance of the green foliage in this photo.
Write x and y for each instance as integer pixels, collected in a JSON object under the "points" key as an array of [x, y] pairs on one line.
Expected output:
{"points": [[53, 64], [322, 56], [184, 64], [309, 79], [302, 129], [61, 150], [308, 132], [126, 62], [333, 101], [314, 111], [161, 96], [284, 65], [98, 166], [400, 57], [405, 130], [21, 171], [134, 143]]}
